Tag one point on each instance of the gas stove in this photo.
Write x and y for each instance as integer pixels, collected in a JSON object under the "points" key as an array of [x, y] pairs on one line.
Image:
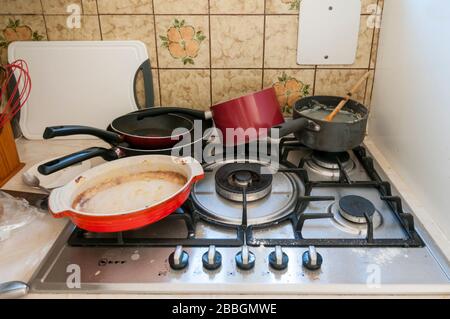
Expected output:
{"points": [[320, 222]]}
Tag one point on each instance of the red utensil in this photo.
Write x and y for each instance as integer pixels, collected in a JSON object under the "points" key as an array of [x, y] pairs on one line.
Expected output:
{"points": [[17, 83], [94, 207]]}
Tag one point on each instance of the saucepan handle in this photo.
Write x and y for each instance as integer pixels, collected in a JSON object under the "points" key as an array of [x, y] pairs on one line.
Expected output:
{"points": [[295, 125], [66, 130], [68, 160]]}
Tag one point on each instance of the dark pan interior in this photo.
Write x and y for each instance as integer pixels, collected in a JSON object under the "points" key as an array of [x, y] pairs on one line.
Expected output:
{"points": [[153, 126]]}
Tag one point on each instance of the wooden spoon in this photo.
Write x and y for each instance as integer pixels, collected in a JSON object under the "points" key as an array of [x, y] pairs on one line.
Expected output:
{"points": [[337, 109]]}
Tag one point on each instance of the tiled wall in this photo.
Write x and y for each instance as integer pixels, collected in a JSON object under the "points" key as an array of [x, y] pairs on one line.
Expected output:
{"points": [[202, 51]]}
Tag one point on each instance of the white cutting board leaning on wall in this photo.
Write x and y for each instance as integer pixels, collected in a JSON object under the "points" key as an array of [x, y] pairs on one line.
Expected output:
{"points": [[78, 82]]}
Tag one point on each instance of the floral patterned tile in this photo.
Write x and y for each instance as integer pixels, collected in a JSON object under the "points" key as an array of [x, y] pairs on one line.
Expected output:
{"points": [[237, 41], [57, 28], [237, 6], [229, 84], [131, 27], [125, 6], [140, 93], [364, 48], [185, 88], [183, 41], [20, 7], [281, 42], [89, 6], [289, 86], [338, 82], [20, 28], [60, 6], [181, 6]]}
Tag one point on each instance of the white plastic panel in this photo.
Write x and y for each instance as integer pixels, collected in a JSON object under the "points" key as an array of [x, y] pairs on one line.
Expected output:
{"points": [[328, 31], [77, 82], [410, 112]]}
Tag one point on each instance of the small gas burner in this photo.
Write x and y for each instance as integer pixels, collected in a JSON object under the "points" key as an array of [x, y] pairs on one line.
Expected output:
{"points": [[349, 214], [232, 178], [327, 164]]}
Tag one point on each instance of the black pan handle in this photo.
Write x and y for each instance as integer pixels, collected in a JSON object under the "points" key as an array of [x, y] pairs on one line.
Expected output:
{"points": [[295, 125], [146, 70], [164, 110], [65, 130], [78, 157]]}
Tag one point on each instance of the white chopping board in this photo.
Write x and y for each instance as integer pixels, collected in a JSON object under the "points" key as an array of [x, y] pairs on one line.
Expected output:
{"points": [[77, 82]]}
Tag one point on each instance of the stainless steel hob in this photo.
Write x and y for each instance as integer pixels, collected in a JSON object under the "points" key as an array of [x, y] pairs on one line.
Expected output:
{"points": [[322, 223]]}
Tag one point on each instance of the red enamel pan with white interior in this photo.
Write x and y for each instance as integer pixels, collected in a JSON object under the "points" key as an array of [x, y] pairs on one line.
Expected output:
{"points": [[127, 193]]}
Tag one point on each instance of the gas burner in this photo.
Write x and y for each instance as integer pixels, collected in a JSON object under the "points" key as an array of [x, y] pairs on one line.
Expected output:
{"points": [[232, 178], [349, 213], [271, 198], [326, 163], [356, 208]]}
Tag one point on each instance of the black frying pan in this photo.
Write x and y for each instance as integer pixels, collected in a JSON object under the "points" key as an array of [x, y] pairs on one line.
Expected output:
{"points": [[189, 146]]}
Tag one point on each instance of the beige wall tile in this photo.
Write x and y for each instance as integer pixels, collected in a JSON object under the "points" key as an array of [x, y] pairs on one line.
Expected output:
{"points": [[338, 82], [131, 27], [183, 41], [281, 42], [57, 28], [124, 6], [60, 6], [229, 84], [282, 6], [373, 55], [289, 85], [364, 47], [237, 6], [20, 6], [140, 93], [185, 88], [89, 6], [181, 6], [368, 98], [236, 41], [366, 6]]}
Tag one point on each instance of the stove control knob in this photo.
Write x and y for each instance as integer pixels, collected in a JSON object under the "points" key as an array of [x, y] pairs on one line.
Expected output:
{"points": [[245, 259], [278, 259], [311, 259], [179, 258], [212, 259]]}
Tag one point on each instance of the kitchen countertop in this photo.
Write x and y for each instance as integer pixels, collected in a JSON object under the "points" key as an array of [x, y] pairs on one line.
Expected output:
{"points": [[27, 246], [23, 252]]}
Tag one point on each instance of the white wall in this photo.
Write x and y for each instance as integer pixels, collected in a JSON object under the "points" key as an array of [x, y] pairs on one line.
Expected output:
{"points": [[410, 119]]}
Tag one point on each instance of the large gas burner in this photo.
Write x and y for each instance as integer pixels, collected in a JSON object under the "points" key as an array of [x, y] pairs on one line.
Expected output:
{"points": [[270, 198]]}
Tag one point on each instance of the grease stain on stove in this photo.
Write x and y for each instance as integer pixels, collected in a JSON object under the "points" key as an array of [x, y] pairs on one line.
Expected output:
{"points": [[382, 257], [135, 256]]}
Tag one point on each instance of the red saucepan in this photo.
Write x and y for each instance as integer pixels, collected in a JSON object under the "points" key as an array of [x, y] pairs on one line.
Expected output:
{"points": [[127, 193], [259, 110], [145, 132]]}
